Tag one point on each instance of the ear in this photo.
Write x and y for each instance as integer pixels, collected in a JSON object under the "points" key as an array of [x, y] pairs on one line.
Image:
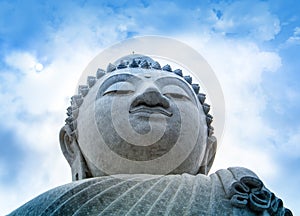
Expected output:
{"points": [[211, 149], [66, 140], [73, 155]]}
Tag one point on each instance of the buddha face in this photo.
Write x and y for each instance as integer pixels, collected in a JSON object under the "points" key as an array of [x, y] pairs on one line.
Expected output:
{"points": [[142, 121]]}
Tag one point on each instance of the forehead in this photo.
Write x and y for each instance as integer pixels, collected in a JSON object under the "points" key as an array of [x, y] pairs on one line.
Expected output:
{"points": [[138, 75]]}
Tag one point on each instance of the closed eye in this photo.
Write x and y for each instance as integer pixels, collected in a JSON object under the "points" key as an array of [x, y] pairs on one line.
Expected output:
{"points": [[177, 96], [119, 88], [175, 92], [117, 92]]}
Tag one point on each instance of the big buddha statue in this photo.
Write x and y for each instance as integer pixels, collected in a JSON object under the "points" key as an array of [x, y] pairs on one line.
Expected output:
{"points": [[139, 141]]}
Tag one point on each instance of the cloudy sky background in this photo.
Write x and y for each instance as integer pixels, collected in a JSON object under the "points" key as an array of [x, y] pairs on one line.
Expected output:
{"points": [[253, 47]]}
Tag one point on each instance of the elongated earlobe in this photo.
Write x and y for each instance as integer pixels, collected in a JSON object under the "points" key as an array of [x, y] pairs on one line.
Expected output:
{"points": [[209, 156], [72, 153]]}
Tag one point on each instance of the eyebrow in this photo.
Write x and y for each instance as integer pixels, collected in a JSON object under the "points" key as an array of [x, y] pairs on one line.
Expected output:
{"points": [[115, 79]]}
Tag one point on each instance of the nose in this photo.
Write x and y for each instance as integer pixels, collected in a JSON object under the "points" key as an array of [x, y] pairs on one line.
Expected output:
{"points": [[152, 97]]}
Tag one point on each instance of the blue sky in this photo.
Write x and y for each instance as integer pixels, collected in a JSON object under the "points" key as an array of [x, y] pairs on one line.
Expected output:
{"points": [[253, 47]]}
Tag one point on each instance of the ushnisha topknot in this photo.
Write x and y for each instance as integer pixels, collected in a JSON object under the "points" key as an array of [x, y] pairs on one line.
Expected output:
{"points": [[131, 61]]}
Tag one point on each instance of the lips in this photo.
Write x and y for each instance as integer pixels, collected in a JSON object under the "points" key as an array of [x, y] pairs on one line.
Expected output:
{"points": [[150, 110]]}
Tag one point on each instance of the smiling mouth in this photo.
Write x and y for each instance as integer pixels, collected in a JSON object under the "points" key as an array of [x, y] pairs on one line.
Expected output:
{"points": [[150, 110]]}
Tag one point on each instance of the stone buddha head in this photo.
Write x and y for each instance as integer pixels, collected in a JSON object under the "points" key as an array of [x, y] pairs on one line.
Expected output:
{"points": [[138, 118]]}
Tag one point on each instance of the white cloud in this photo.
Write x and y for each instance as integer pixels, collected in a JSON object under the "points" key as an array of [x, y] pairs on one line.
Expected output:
{"points": [[295, 38], [21, 61], [293, 146], [248, 18], [231, 154], [289, 144]]}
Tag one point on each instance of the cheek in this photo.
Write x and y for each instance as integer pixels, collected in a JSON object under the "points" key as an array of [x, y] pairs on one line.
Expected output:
{"points": [[189, 114], [102, 106], [185, 110], [113, 105], [193, 120], [111, 111]]}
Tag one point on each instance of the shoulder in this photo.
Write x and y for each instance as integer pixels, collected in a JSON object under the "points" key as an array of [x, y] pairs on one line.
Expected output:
{"points": [[233, 191]]}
